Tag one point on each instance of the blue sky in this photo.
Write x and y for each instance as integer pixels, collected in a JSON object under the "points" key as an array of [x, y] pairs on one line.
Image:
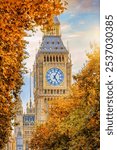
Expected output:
{"points": [[79, 27]]}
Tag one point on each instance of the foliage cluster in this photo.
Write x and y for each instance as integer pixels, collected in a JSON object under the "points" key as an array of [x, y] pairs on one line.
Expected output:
{"points": [[17, 16], [74, 120]]}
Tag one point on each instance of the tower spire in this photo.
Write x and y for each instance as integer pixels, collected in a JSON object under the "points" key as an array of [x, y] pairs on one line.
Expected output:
{"points": [[30, 84], [30, 92], [55, 29]]}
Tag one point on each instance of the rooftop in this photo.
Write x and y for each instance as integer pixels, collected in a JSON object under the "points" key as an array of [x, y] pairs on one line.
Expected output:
{"points": [[52, 44]]}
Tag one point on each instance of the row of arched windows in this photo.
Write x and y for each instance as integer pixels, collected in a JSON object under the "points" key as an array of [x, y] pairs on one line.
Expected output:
{"points": [[28, 132], [49, 99], [54, 58], [28, 123], [54, 91]]}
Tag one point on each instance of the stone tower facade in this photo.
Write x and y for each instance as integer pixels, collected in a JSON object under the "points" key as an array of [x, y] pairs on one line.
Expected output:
{"points": [[23, 131], [52, 71], [19, 141], [18, 131], [28, 124]]}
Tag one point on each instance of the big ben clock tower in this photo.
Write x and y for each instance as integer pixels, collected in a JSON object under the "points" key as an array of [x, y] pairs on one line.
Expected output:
{"points": [[52, 71]]}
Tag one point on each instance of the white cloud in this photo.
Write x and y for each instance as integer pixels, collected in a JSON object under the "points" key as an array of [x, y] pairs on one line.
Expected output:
{"points": [[81, 22], [83, 6], [65, 27], [79, 45], [32, 47], [72, 35]]}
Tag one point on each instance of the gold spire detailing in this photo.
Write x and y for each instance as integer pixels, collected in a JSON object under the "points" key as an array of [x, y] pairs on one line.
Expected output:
{"points": [[30, 94], [29, 104], [55, 30]]}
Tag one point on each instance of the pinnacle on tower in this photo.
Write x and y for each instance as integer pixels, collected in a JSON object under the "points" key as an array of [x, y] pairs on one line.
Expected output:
{"points": [[27, 108], [55, 29], [30, 93], [56, 20]]}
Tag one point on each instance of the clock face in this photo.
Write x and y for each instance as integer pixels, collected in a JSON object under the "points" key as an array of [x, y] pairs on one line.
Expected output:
{"points": [[54, 76]]}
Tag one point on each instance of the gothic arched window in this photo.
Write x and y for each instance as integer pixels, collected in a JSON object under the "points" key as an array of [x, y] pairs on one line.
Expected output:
{"points": [[54, 91], [44, 58], [47, 59], [57, 58], [54, 58], [50, 58], [51, 91], [60, 58], [57, 91]]}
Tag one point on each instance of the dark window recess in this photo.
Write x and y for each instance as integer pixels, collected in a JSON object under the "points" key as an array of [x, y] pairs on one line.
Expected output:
{"points": [[50, 58], [63, 91], [57, 91], [57, 58], [45, 91], [47, 58], [60, 58], [44, 59], [53, 58], [63, 58], [45, 100], [51, 91]]}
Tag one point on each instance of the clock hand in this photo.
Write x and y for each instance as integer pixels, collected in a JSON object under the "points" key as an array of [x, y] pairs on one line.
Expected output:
{"points": [[56, 72], [55, 78], [55, 75]]}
